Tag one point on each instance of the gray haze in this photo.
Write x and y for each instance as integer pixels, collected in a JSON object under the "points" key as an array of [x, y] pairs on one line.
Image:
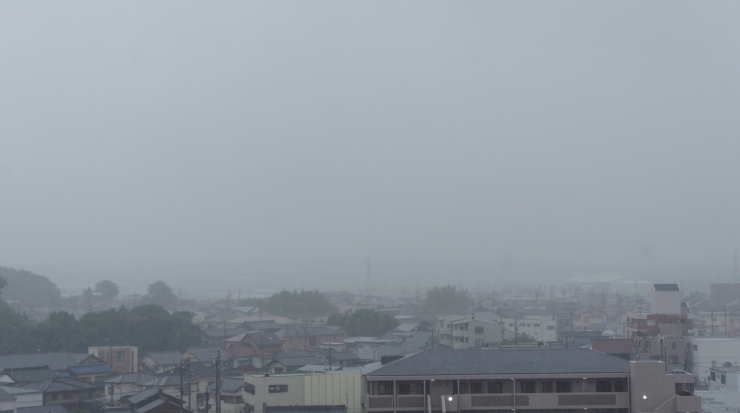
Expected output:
{"points": [[292, 140]]}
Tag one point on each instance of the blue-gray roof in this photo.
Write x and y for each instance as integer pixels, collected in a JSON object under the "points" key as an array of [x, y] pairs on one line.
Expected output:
{"points": [[504, 361], [50, 408]]}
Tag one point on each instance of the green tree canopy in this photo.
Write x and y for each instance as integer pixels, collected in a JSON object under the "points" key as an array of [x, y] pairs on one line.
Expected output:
{"points": [[107, 289], [370, 323], [446, 300], [30, 289], [295, 303], [161, 294]]}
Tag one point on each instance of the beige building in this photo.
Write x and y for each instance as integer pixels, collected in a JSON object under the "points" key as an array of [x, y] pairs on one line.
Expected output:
{"points": [[121, 359], [304, 389]]}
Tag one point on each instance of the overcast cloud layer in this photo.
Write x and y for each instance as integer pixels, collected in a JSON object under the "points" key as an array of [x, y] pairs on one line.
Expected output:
{"points": [[507, 136]]}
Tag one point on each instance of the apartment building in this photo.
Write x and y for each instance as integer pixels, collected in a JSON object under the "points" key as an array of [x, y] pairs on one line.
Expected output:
{"points": [[540, 328], [462, 331], [533, 380]]}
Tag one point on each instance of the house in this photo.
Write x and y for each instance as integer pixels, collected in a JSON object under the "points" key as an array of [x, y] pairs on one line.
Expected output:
{"points": [[589, 319], [154, 401], [232, 400], [256, 339], [649, 324], [57, 362], [121, 359], [127, 384], [93, 372], [204, 354], [617, 347], [670, 349], [54, 408], [246, 358], [161, 361], [66, 390], [553, 380], [14, 398], [25, 375], [724, 378], [303, 337]]}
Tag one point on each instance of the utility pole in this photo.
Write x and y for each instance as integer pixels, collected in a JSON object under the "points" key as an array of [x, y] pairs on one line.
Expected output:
{"points": [[218, 382], [182, 390]]}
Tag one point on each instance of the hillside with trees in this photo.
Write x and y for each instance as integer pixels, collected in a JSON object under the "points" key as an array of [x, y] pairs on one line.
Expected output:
{"points": [[32, 290]]}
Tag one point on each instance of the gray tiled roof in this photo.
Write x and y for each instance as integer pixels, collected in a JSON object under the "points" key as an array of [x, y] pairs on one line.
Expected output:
{"points": [[504, 361], [165, 358], [29, 374], [55, 361], [51, 408], [59, 384], [229, 385], [665, 287], [5, 396]]}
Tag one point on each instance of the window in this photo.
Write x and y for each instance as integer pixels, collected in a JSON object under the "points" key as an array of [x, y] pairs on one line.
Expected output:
{"points": [[696, 348], [673, 359], [281, 388], [495, 387], [546, 387], [120, 356], [464, 388], [478, 341], [404, 388], [722, 379], [419, 388], [673, 346], [713, 376], [603, 386], [528, 387], [249, 388], [479, 330], [385, 388], [475, 388], [551, 327], [620, 386], [562, 387]]}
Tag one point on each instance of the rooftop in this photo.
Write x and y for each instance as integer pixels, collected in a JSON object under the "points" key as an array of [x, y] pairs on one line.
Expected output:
{"points": [[504, 361], [665, 287]]}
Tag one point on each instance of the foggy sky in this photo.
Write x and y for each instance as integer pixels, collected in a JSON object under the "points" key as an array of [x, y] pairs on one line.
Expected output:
{"points": [[507, 136]]}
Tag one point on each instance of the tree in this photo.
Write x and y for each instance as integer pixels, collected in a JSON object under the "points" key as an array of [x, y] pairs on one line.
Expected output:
{"points": [[160, 293], [30, 289], [295, 303], [107, 289], [337, 320], [446, 300], [3, 283], [370, 323]]}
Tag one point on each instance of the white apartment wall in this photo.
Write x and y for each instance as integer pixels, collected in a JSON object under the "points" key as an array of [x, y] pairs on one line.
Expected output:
{"points": [[712, 352], [334, 389], [665, 302], [539, 328], [293, 397]]}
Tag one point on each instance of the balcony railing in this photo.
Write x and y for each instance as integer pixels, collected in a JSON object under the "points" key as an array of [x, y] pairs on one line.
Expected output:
{"points": [[522, 401]]}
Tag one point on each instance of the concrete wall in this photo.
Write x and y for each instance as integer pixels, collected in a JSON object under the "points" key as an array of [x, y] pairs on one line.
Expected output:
{"points": [[665, 302], [706, 353]]}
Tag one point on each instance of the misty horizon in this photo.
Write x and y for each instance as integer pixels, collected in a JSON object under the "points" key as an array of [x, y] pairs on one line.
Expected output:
{"points": [[279, 145]]}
